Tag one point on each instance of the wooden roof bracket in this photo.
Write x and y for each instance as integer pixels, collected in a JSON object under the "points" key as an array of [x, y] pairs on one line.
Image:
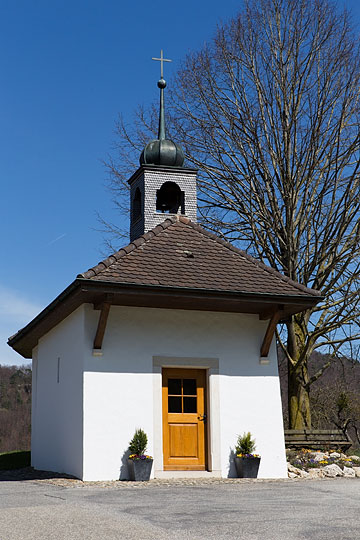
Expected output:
{"points": [[269, 334], [101, 327]]}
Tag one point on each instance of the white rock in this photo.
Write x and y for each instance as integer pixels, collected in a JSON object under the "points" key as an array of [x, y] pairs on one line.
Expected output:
{"points": [[348, 471], [357, 471], [335, 454], [354, 458], [316, 473], [298, 472], [293, 469], [292, 475], [332, 471]]}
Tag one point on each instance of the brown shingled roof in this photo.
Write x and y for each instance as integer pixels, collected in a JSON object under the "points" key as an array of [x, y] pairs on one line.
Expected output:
{"points": [[179, 253], [176, 265]]}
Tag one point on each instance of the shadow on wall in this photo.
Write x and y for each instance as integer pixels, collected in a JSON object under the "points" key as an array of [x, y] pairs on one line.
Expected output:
{"points": [[124, 470], [232, 469]]}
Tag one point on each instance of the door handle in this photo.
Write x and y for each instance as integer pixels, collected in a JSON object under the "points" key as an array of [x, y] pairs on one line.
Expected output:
{"points": [[202, 418]]}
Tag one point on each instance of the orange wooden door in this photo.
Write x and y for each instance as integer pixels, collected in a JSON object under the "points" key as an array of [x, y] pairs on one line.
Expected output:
{"points": [[184, 417]]}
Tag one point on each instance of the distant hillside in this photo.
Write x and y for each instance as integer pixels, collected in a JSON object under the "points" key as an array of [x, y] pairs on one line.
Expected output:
{"points": [[15, 408], [335, 396]]}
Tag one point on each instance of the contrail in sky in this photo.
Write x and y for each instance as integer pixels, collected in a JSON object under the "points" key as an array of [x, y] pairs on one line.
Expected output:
{"points": [[56, 239]]}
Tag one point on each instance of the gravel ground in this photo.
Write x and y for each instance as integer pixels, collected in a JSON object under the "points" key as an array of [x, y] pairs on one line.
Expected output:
{"points": [[65, 480]]}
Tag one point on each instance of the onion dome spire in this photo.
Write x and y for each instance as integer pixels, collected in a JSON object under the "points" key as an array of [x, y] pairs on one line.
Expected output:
{"points": [[162, 151]]}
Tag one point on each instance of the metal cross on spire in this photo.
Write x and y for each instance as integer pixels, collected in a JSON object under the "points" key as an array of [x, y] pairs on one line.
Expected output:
{"points": [[162, 60]]}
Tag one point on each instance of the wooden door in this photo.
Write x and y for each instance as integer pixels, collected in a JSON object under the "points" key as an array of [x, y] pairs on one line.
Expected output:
{"points": [[184, 418]]}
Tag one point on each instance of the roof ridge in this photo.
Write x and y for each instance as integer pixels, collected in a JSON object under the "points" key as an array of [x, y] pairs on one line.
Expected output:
{"points": [[250, 258], [95, 270]]}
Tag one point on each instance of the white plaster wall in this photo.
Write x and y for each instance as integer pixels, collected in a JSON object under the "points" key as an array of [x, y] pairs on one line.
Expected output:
{"points": [[252, 403], [34, 394], [117, 395], [56, 443], [121, 387]]}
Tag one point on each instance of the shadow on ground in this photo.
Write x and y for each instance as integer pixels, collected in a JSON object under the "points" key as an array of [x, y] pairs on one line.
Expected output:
{"points": [[28, 473]]}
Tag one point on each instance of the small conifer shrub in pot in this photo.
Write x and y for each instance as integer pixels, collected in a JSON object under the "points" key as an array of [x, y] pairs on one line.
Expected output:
{"points": [[246, 462], [139, 463]]}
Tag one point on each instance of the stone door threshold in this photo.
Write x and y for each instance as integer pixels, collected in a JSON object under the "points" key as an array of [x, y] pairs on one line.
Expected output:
{"points": [[187, 474]]}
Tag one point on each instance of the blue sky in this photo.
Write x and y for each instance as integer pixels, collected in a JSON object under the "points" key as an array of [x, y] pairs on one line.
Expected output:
{"points": [[67, 69]]}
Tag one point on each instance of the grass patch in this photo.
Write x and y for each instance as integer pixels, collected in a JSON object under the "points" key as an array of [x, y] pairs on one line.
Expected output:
{"points": [[15, 460]]}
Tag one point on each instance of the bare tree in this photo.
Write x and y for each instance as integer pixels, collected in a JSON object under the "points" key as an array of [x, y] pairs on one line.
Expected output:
{"points": [[269, 113]]}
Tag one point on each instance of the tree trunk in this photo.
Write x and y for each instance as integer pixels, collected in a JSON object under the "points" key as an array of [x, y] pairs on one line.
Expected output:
{"points": [[298, 376], [298, 398]]}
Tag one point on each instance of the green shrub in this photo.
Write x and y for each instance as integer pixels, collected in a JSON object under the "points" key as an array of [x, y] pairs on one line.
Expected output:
{"points": [[138, 443], [15, 460], [245, 444]]}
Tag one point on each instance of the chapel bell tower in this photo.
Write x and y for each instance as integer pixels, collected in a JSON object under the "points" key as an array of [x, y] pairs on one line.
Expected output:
{"points": [[161, 186]]}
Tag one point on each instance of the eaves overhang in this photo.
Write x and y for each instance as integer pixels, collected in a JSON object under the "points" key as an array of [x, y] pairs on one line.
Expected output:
{"points": [[83, 291]]}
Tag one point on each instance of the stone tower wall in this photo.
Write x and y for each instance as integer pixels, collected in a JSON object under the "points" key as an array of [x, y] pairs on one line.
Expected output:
{"points": [[149, 179]]}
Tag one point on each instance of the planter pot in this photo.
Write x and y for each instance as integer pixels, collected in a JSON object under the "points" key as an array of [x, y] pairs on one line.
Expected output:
{"points": [[140, 470], [247, 467]]}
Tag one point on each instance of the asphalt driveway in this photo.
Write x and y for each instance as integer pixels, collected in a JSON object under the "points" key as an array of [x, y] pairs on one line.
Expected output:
{"points": [[276, 510]]}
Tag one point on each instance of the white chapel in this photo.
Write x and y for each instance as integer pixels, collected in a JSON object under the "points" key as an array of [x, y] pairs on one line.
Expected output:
{"points": [[173, 334]]}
